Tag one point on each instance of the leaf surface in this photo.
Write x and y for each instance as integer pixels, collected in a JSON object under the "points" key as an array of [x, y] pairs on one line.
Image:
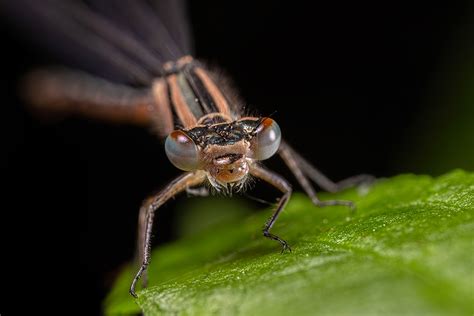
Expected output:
{"points": [[408, 250]]}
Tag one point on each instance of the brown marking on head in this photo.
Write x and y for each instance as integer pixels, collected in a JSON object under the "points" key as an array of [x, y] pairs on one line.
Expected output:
{"points": [[212, 118], [227, 164]]}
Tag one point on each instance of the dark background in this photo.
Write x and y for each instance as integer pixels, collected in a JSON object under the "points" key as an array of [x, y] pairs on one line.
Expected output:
{"points": [[357, 88]]}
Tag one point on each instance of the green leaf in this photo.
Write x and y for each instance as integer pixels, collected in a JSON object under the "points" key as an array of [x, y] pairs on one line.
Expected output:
{"points": [[408, 250]]}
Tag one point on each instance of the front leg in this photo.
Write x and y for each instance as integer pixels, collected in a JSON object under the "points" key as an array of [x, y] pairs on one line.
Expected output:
{"points": [[198, 192], [147, 213], [290, 157], [281, 184]]}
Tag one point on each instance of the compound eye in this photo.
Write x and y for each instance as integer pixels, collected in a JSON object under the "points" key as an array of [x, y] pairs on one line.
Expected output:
{"points": [[181, 151], [267, 140]]}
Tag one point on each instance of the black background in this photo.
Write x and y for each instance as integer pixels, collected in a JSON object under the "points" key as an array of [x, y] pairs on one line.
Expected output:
{"points": [[346, 83]]}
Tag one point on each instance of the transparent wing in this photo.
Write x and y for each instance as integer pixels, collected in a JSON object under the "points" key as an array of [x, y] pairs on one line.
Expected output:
{"points": [[161, 24], [124, 41], [174, 15]]}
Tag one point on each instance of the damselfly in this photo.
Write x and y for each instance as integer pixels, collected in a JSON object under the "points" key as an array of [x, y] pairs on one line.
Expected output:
{"points": [[153, 80]]}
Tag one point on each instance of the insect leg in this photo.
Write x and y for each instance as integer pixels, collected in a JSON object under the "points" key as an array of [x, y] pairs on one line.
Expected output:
{"points": [[281, 184], [286, 152], [142, 222], [199, 191], [289, 157], [147, 213]]}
